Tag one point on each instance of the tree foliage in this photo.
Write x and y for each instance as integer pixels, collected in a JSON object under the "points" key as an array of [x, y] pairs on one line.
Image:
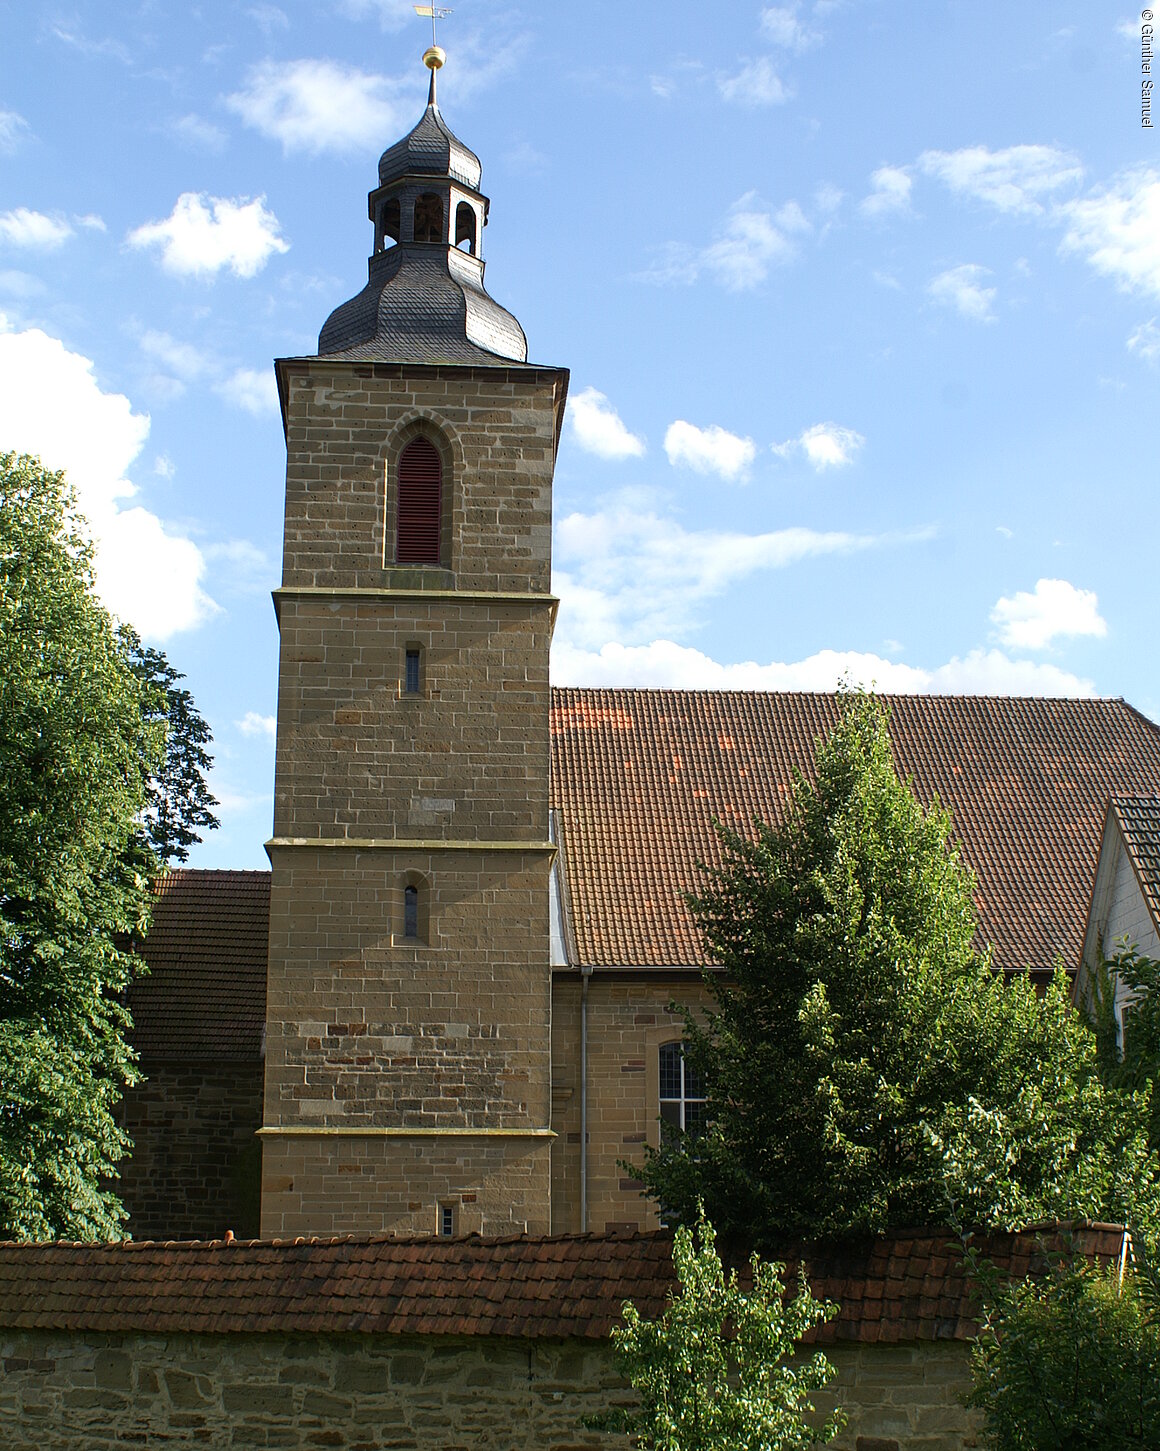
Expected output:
{"points": [[1068, 1362], [178, 802], [714, 1372], [864, 1066], [79, 739]]}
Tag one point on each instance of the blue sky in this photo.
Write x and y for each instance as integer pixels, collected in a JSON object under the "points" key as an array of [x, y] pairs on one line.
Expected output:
{"points": [[861, 302]]}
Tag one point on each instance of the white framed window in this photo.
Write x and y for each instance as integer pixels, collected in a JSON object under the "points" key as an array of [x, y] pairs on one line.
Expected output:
{"points": [[682, 1091]]}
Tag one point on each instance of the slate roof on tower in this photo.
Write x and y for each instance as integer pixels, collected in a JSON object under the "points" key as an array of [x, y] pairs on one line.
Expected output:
{"points": [[425, 299]]}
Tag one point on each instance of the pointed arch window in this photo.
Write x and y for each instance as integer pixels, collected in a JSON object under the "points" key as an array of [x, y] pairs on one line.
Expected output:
{"points": [[420, 510]]}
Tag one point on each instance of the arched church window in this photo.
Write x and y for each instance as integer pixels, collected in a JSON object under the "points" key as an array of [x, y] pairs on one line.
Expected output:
{"points": [[420, 495], [682, 1091], [429, 218], [465, 226]]}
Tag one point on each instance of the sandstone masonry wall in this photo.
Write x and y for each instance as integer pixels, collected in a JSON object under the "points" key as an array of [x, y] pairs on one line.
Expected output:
{"points": [[628, 1020], [195, 1168], [405, 1393], [408, 1062]]}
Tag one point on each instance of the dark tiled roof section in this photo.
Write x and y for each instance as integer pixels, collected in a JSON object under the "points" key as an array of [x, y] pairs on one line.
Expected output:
{"points": [[424, 303], [914, 1285], [432, 148], [1139, 822], [204, 998], [905, 1286], [639, 775]]}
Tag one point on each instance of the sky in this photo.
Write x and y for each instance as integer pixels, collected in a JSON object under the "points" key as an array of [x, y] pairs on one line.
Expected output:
{"points": [[860, 299]]}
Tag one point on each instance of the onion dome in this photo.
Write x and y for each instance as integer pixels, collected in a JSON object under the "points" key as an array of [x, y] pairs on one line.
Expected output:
{"points": [[425, 300]]}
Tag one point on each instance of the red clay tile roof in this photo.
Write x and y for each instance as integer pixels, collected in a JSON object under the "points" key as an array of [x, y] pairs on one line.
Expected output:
{"points": [[639, 775], [905, 1286], [205, 995], [1139, 822]]}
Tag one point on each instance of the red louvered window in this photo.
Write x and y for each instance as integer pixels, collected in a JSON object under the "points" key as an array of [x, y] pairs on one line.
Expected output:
{"points": [[420, 503]]}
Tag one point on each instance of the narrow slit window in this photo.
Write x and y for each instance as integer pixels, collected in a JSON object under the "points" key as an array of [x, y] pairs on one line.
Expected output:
{"points": [[420, 515], [446, 1221], [410, 911], [411, 673]]}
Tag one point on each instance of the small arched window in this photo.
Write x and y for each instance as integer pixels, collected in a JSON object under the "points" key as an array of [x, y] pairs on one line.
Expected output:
{"points": [[429, 217], [465, 226], [420, 508], [682, 1091]]}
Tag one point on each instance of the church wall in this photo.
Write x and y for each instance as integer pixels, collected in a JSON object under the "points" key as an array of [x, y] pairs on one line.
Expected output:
{"points": [[195, 1168], [344, 425], [628, 1020], [431, 1037], [464, 758], [367, 1029], [407, 1393]]}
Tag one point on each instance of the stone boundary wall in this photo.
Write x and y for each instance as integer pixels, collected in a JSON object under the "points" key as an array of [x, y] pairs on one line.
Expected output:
{"points": [[60, 1392]]}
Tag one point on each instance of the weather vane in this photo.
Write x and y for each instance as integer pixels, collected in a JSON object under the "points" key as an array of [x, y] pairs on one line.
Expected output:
{"points": [[432, 13]]}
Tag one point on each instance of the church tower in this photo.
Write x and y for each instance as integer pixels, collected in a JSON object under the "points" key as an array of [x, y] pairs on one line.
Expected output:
{"points": [[408, 1019]]}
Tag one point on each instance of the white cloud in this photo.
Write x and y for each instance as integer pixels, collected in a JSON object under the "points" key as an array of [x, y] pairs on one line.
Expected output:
{"points": [[597, 427], [749, 242], [712, 450], [825, 445], [181, 359], [1033, 621], [1117, 230], [13, 129], [663, 663], [1018, 179], [1146, 341], [253, 389], [625, 573], [756, 84], [253, 724], [318, 105], [204, 234], [163, 466], [891, 187], [198, 133], [51, 405], [24, 228], [828, 197], [268, 18], [20, 284], [781, 26], [108, 47], [392, 14], [962, 288]]}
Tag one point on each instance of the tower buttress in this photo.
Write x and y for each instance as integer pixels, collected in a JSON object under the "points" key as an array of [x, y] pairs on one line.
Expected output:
{"points": [[408, 1005]]}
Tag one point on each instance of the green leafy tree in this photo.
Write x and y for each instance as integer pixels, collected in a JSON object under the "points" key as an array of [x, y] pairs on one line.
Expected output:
{"points": [[178, 802], [720, 1369], [1129, 1059], [79, 740], [864, 1066], [1068, 1362]]}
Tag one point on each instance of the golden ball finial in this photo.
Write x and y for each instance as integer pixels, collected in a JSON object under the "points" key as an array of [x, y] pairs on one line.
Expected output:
{"points": [[433, 57]]}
